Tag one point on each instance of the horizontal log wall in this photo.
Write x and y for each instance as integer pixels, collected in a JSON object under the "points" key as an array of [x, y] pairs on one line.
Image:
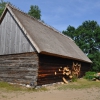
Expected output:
{"points": [[49, 67], [19, 68]]}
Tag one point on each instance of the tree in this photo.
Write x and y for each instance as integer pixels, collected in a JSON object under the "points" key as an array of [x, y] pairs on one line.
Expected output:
{"points": [[87, 37], [35, 12], [70, 31], [2, 6]]}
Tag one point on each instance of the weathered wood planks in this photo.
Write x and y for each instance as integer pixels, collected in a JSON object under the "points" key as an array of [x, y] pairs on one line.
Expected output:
{"points": [[50, 68], [36, 68], [19, 68], [12, 38]]}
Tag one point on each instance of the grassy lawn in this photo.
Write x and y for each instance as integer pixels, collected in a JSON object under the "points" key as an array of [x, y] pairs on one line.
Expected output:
{"points": [[80, 84], [14, 87]]}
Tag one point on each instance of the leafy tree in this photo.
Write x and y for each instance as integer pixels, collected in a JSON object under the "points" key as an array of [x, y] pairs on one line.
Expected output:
{"points": [[35, 12], [87, 37], [2, 6], [70, 32]]}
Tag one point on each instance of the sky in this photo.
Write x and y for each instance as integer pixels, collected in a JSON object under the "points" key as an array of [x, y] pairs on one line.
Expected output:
{"points": [[62, 13]]}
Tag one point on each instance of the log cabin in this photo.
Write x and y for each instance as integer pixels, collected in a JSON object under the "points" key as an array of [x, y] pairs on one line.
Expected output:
{"points": [[32, 52]]}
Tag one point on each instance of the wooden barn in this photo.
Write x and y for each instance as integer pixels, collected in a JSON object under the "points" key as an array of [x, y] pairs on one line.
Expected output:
{"points": [[32, 52]]}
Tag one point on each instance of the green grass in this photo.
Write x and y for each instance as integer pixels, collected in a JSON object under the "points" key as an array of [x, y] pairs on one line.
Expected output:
{"points": [[14, 87], [80, 84], [10, 87]]}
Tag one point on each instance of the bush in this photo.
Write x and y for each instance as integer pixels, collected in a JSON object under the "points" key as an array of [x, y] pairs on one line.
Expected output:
{"points": [[90, 75]]}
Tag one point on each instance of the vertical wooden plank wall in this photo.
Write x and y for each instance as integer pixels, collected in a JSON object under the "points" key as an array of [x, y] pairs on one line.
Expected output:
{"points": [[12, 38], [19, 68]]}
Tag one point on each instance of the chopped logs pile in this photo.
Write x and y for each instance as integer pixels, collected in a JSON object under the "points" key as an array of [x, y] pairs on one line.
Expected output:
{"points": [[71, 73]]}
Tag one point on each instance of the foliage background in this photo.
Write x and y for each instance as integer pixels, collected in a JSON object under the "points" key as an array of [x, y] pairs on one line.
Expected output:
{"points": [[87, 37]]}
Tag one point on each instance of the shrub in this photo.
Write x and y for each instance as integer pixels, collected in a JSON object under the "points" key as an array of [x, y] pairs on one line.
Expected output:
{"points": [[90, 75]]}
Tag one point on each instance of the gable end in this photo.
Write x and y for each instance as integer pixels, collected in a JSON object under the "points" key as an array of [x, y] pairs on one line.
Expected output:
{"points": [[12, 38]]}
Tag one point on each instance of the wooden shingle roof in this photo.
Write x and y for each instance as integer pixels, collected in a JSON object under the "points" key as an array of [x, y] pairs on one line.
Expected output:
{"points": [[44, 38]]}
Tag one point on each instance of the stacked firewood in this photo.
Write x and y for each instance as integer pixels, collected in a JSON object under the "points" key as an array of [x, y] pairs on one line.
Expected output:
{"points": [[70, 73], [76, 69], [66, 72]]}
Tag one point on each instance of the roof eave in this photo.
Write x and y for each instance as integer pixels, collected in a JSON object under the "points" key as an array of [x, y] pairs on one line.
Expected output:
{"points": [[51, 54]]}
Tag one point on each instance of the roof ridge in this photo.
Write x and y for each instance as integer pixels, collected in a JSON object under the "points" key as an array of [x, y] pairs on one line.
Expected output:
{"points": [[54, 29]]}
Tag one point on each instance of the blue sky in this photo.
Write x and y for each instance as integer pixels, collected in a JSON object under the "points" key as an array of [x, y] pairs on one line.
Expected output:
{"points": [[62, 13]]}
